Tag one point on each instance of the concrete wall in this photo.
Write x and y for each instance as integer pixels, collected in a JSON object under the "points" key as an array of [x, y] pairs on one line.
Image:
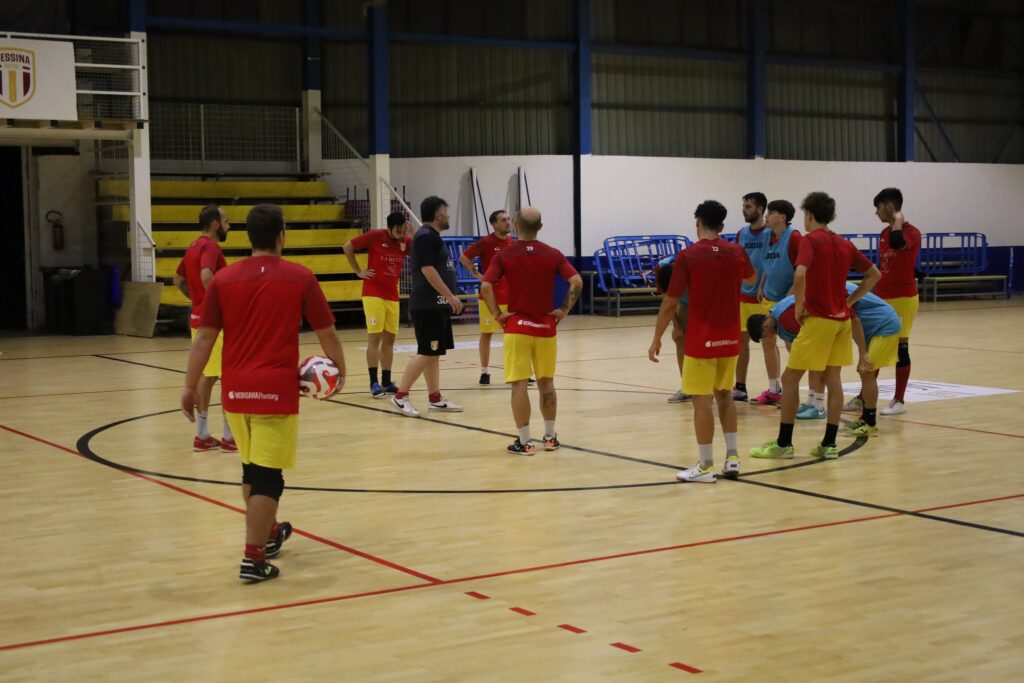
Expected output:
{"points": [[63, 183]]}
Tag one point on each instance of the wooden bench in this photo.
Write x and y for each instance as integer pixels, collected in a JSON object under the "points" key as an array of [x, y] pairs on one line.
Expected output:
{"points": [[955, 286]]}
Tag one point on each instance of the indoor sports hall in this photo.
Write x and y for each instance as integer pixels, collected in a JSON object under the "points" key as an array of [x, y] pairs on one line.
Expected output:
{"points": [[422, 548]]}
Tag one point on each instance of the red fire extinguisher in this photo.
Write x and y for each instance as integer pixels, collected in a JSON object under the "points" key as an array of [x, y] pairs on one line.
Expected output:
{"points": [[56, 220]]}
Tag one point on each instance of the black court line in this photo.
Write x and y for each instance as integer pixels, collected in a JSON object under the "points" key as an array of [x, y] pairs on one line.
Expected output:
{"points": [[857, 443], [885, 508], [135, 362]]}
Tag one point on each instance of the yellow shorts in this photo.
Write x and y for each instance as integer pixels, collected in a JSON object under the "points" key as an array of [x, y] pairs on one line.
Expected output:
{"points": [[212, 368], [265, 440], [747, 310], [822, 343], [906, 309], [526, 355], [381, 315], [488, 325], [768, 305], [882, 351], [702, 376]]}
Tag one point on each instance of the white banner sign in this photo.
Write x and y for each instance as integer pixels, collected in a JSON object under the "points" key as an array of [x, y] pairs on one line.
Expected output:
{"points": [[919, 391], [37, 80]]}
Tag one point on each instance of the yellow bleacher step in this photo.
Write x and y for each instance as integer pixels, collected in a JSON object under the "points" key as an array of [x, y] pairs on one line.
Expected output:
{"points": [[338, 290], [237, 239], [185, 214], [221, 189], [321, 264]]}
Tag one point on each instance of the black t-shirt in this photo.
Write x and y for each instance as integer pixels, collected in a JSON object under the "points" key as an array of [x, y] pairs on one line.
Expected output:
{"points": [[428, 250]]}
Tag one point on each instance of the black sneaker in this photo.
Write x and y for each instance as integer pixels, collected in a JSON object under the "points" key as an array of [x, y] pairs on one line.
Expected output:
{"points": [[531, 381], [485, 378], [391, 388], [551, 443], [251, 572], [273, 547], [740, 395], [517, 448]]}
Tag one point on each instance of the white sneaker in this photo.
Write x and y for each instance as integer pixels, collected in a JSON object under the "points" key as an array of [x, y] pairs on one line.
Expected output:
{"points": [[697, 475], [854, 405], [679, 397], [446, 406], [895, 408], [731, 468], [405, 405]]}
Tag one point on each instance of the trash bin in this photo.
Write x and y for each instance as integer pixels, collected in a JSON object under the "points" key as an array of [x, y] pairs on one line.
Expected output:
{"points": [[77, 300]]}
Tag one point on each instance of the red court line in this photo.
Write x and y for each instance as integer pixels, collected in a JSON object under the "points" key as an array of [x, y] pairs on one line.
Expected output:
{"points": [[522, 610], [973, 502], [478, 596], [572, 629], [965, 348], [627, 648], [81, 393], [199, 496], [94, 634], [686, 667], [962, 429]]}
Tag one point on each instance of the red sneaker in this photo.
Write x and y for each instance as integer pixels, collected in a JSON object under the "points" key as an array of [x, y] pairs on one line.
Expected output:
{"points": [[228, 446], [203, 445]]}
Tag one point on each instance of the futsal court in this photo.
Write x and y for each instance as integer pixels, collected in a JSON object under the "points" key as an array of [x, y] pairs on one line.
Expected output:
{"points": [[424, 552]]}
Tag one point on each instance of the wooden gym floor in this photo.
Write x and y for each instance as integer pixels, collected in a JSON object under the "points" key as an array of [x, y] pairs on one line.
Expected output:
{"points": [[423, 552]]}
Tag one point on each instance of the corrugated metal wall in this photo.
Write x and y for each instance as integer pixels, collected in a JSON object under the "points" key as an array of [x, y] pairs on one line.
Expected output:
{"points": [[345, 91], [648, 106], [461, 100], [830, 114]]}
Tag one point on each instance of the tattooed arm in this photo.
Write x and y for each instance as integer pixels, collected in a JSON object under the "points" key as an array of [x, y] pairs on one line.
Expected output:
{"points": [[575, 288]]}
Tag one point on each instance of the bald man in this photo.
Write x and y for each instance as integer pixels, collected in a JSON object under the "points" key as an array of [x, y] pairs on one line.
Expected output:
{"points": [[530, 267]]}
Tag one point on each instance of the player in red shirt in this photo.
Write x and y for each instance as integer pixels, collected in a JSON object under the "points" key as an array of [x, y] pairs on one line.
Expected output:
{"points": [[824, 343], [388, 250], [712, 271], [486, 248], [202, 260], [259, 303], [898, 248], [529, 267]]}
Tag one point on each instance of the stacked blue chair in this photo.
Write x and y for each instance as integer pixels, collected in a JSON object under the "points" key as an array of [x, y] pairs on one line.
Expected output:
{"points": [[955, 262], [625, 269]]}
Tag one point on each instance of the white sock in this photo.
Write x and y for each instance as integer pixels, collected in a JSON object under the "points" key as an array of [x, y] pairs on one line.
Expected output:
{"points": [[227, 430], [484, 370], [775, 385], [202, 428], [706, 454], [549, 428], [819, 401], [731, 447], [524, 435]]}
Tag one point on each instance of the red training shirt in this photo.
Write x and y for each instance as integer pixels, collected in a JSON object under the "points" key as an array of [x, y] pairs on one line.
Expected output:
{"points": [[386, 256], [260, 303], [898, 265], [487, 247], [529, 267], [712, 271], [828, 259], [204, 252]]}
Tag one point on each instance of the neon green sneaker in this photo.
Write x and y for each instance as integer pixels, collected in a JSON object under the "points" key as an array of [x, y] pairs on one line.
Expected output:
{"points": [[772, 449], [860, 428], [827, 452]]}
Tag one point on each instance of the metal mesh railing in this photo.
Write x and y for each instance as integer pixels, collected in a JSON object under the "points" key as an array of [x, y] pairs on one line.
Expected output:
{"points": [[225, 132]]}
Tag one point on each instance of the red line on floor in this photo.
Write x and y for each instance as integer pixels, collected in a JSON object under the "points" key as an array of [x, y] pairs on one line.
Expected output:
{"points": [[964, 348], [572, 629], [686, 667], [81, 393], [478, 596], [962, 429], [199, 496], [973, 502], [522, 610], [627, 648]]}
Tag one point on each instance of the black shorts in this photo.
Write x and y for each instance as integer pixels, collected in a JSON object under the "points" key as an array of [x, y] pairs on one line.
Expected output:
{"points": [[433, 331]]}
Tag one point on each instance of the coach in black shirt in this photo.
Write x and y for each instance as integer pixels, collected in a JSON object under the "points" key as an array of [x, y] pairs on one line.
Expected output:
{"points": [[431, 304]]}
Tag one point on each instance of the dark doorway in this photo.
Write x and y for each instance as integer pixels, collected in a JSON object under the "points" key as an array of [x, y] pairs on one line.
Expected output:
{"points": [[13, 312]]}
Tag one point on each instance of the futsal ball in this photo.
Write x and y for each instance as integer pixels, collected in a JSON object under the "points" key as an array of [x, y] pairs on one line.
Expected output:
{"points": [[318, 377]]}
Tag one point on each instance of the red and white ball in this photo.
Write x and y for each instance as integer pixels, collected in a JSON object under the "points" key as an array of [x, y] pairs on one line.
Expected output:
{"points": [[318, 377]]}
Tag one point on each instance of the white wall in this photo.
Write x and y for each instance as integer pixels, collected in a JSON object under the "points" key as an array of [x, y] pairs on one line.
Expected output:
{"points": [[637, 195], [63, 183]]}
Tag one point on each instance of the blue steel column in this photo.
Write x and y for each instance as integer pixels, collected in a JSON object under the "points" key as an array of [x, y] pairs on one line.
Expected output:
{"points": [[137, 16], [312, 71], [379, 80], [584, 134], [908, 81], [756, 77]]}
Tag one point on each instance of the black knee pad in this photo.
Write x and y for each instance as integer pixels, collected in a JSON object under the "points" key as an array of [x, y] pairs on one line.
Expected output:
{"points": [[903, 355], [263, 481]]}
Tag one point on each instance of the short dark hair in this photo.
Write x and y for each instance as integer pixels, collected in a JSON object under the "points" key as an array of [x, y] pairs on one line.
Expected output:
{"points": [[207, 215], [395, 219], [783, 207], [890, 194], [821, 206], [711, 215], [664, 276], [429, 208], [754, 325], [757, 198], [264, 223], [494, 216]]}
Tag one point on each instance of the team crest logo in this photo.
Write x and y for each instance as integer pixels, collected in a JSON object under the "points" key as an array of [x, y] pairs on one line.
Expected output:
{"points": [[17, 76], [373, 321], [402, 246], [433, 345]]}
